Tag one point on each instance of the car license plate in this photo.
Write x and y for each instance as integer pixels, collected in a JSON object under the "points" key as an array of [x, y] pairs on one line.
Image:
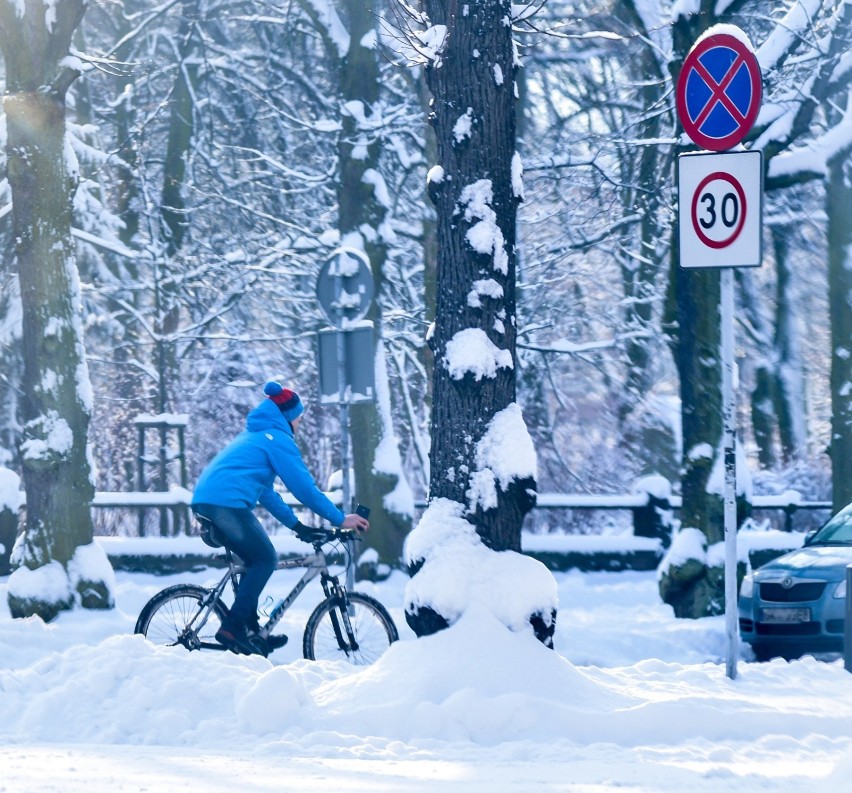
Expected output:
{"points": [[785, 616]]}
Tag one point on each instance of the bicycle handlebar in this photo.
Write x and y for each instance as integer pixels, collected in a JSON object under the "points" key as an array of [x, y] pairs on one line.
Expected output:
{"points": [[325, 535]]}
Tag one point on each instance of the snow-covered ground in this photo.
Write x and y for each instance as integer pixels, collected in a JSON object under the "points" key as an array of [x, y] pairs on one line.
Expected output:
{"points": [[632, 700]]}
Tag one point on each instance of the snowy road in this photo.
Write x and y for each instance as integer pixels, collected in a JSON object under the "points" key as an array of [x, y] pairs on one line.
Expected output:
{"points": [[632, 701]]}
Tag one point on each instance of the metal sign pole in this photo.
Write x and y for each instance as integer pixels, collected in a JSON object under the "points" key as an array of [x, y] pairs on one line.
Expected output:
{"points": [[344, 447], [345, 292], [730, 458], [723, 59]]}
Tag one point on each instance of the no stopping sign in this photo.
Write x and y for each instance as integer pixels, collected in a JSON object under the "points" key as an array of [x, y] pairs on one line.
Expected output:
{"points": [[719, 89], [720, 209]]}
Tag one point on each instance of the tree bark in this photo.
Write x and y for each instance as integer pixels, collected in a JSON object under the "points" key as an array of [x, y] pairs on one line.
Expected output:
{"points": [[839, 209], [465, 86], [788, 389], [57, 393], [173, 209], [476, 191], [693, 311], [362, 214]]}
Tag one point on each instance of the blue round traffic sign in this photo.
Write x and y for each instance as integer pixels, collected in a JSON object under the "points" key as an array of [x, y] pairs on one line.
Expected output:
{"points": [[718, 91]]}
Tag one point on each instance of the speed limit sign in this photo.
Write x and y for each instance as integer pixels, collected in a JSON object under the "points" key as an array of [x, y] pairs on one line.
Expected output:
{"points": [[720, 208]]}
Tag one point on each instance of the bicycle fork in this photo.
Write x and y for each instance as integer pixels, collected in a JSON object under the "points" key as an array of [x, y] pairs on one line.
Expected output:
{"points": [[340, 616]]}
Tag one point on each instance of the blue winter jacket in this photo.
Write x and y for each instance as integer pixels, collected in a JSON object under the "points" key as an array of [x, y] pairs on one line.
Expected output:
{"points": [[242, 474]]}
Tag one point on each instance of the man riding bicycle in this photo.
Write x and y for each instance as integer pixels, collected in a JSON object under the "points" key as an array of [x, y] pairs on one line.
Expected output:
{"points": [[235, 481]]}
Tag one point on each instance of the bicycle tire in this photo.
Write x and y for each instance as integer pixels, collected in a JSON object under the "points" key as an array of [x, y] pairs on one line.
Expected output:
{"points": [[165, 617], [372, 625]]}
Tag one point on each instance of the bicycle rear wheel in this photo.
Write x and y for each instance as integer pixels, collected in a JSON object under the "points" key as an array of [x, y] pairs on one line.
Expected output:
{"points": [[171, 618], [327, 639]]}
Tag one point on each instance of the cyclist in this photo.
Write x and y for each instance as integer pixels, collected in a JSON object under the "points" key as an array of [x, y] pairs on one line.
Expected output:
{"points": [[235, 481]]}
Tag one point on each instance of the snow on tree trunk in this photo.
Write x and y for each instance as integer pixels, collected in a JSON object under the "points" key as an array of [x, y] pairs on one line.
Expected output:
{"points": [[57, 399], [482, 461], [379, 477], [692, 573], [839, 198], [363, 203], [10, 502]]}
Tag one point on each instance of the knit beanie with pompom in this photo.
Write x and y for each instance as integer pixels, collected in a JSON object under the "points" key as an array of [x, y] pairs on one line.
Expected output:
{"points": [[288, 401]]}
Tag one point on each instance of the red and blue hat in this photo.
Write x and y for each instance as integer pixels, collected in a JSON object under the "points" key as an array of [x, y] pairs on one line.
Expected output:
{"points": [[288, 401]]}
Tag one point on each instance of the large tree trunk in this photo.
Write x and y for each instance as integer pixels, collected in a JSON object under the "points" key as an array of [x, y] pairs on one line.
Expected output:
{"points": [[379, 479], [173, 209], [789, 377], [57, 393], [474, 121], [839, 209], [639, 270], [778, 399], [477, 478], [691, 587]]}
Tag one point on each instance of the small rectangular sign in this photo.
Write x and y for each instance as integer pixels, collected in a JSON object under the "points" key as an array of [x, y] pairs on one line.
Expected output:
{"points": [[358, 362], [720, 209]]}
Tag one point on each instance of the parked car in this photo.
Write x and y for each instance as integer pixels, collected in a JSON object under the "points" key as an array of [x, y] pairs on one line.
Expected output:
{"points": [[796, 604]]}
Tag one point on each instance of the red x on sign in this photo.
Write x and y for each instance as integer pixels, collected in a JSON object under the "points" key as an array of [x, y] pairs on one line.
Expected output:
{"points": [[719, 91]]}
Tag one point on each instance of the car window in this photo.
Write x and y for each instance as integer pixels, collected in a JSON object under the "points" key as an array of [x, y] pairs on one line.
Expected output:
{"points": [[837, 530]]}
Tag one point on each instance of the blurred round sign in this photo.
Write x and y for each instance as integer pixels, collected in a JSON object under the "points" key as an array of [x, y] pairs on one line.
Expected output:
{"points": [[345, 286]]}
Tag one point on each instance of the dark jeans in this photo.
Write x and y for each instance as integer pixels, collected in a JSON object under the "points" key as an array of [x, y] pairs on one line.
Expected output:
{"points": [[240, 531]]}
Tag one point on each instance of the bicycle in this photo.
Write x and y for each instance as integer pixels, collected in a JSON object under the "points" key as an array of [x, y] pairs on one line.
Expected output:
{"points": [[346, 625]]}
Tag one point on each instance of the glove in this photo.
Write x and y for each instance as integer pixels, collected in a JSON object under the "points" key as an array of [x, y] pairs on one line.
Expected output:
{"points": [[306, 533]]}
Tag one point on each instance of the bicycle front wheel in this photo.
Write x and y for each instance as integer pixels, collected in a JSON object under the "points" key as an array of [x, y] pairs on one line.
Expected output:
{"points": [[357, 631], [172, 617]]}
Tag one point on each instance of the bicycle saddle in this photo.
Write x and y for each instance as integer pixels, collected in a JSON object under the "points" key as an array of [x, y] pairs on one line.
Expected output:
{"points": [[208, 532]]}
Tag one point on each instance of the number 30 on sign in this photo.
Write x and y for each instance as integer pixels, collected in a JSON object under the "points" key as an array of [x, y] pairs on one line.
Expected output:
{"points": [[719, 209]]}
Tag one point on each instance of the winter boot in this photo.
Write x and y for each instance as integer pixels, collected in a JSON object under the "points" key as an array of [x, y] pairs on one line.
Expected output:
{"points": [[237, 639], [270, 643]]}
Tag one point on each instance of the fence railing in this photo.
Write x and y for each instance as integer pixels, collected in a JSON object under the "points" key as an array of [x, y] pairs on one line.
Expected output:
{"points": [[650, 513], [651, 524]]}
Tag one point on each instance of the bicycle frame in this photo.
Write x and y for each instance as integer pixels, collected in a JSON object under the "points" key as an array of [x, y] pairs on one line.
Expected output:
{"points": [[315, 564]]}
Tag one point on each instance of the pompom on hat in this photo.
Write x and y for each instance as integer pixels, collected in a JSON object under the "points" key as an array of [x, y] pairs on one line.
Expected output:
{"points": [[288, 401]]}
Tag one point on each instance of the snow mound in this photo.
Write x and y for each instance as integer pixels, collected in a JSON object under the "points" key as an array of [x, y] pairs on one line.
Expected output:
{"points": [[138, 694], [476, 681]]}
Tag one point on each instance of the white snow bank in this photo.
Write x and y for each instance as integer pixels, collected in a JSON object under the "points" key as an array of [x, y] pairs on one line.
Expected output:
{"points": [[53, 583], [460, 572], [87, 708], [48, 583], [462, 684], [474, 684]]}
